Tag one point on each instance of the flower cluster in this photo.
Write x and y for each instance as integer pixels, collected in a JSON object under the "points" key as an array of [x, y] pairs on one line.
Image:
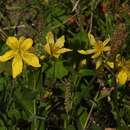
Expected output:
{"points": [[21, 54], [98, 50]]}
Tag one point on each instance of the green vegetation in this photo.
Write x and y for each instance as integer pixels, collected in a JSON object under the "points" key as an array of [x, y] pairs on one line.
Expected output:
{"points": [[69, 64]]}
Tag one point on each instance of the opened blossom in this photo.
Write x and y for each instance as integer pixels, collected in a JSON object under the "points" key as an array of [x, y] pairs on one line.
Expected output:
{"points": [[55, 48], [123, 74], [20, 53], [98, 47]]}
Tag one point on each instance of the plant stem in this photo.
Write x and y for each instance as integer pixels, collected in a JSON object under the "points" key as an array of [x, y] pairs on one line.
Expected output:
{"points": [[34, 112], [90, 112], [35, 84], [34, 105], [91, 22]]}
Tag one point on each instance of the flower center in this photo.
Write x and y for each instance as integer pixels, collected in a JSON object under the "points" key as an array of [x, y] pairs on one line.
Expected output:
{"points": [[19, 51], [99, 47], [54, 49]]}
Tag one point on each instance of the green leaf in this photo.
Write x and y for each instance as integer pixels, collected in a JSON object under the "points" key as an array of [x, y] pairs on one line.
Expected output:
{"points": [[79, 40], [29, 94], [1, 122], [24, 103], [2, 83], [57, 70], [86, 72], [3, 128], [14, 113], [83, 118]]}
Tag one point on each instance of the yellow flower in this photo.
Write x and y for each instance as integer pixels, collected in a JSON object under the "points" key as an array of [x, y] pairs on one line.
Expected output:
{"points": [[55, 48], [124, 70], [19, 52], [122, 77], [98, 47]]}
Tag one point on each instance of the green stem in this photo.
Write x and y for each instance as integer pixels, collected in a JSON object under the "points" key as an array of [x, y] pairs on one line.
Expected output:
{"points": [[36, 80], [90, 112], [34, 112], [88, 117], [34, 105]]}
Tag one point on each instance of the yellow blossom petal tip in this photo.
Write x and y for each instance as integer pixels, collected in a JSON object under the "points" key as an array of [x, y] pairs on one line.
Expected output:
{"points": [[121, 77], [83, 52], [60, 42], [98, 64], [91, 39], [26, 44], [42, 57], [17, 66], [12, 42], [7, 56], [31, 59], [50, 38]]}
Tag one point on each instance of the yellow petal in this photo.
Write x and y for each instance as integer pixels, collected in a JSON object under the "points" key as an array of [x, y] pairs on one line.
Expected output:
{"points": [[63, 50], [86, 52], [107, 48], [110, 64], [12, 42], [56, 55], [96, 55], [31, 59], [50, 38], [26, 44], [98, 63], [83, 52], [7, 56], [21, 39], [47, 48], [17, 66], [128, 75], [91, 39], [106, 42], [42, 57], [121, 77], [91, 51], [60, 42]]}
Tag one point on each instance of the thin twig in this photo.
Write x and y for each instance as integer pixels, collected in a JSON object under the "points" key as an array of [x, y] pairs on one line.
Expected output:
{"points": [[91, 18], [88, 117], [14, 27], [91, 22], [90, 112], [34, 105], [75, 6], [3, 35]]}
